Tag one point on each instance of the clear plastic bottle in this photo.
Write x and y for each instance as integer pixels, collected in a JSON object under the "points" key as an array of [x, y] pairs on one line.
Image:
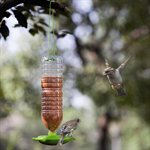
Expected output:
{"points": [[51, 84]]}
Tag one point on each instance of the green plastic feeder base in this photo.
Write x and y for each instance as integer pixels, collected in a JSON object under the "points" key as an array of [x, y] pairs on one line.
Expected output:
{"points": [[52, 139]]}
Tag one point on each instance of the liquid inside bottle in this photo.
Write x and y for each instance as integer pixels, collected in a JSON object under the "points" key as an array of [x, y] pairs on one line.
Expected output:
{"points": [[51, 84]]}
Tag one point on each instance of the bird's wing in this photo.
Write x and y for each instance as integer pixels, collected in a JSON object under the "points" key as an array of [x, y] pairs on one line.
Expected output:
{"points": [[106, 63], [123, 65]]}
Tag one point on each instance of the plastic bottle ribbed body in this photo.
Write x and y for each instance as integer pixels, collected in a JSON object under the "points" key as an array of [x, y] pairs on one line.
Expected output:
{"points": [[51, 84]]}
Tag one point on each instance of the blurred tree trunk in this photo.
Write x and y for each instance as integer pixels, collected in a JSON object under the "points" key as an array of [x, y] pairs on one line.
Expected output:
{"points": [[104, 139], [109, 134], [115, 134]]}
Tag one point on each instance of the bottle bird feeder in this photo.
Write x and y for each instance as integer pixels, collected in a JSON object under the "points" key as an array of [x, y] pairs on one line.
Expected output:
{"points": [[51, 84], [51, 100]]}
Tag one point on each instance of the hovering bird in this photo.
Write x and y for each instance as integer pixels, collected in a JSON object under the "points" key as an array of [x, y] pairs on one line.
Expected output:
{"points": [[67, 129], [114, 77]]}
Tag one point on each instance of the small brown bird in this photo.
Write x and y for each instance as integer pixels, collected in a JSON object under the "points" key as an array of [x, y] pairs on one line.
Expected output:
{"points": [[67, 129], [114, 77]]}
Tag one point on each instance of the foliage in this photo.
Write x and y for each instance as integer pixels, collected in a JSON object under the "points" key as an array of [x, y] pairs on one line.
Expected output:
{"points": [[16, 83], [28, 10]]}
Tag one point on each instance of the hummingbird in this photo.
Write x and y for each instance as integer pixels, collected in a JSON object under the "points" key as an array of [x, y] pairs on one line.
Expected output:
{"points": [[114, 77], [67, 129]]}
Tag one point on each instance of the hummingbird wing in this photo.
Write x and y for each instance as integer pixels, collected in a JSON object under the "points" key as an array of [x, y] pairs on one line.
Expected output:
{"points": [[68, 126], [123, 65], [106, 63], [71, 125]]}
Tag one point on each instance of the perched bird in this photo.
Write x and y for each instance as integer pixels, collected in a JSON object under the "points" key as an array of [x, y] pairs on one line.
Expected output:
{"points": [[67, 129], [114, 77]]}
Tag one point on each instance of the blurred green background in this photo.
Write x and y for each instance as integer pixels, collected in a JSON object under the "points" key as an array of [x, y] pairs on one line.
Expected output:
{"points": [[112, 29]]}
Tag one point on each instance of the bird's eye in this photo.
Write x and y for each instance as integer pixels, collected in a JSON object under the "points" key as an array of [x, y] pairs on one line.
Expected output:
{"points": [[107, 71], [64, 127]]}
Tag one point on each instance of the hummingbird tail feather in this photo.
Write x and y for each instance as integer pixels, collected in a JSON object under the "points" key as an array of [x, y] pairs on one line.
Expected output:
{"points": [[121, 92]]}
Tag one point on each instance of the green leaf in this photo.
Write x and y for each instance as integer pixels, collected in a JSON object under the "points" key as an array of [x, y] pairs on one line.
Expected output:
{"points": [[52, 139], [4, 30], [33, 31], [21, 18]]}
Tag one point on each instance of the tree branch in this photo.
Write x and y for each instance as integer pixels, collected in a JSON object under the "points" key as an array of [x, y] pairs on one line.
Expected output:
{"points": [[7, 4]]}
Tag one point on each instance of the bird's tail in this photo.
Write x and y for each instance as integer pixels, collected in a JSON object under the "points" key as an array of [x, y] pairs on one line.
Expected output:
{"points": [[60, 142], [121, 92]]}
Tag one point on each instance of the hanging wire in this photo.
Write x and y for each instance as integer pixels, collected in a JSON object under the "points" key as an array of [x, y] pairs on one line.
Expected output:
{"points": [[57, 29], [49, 40], [53, 28], [54, 47]]}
